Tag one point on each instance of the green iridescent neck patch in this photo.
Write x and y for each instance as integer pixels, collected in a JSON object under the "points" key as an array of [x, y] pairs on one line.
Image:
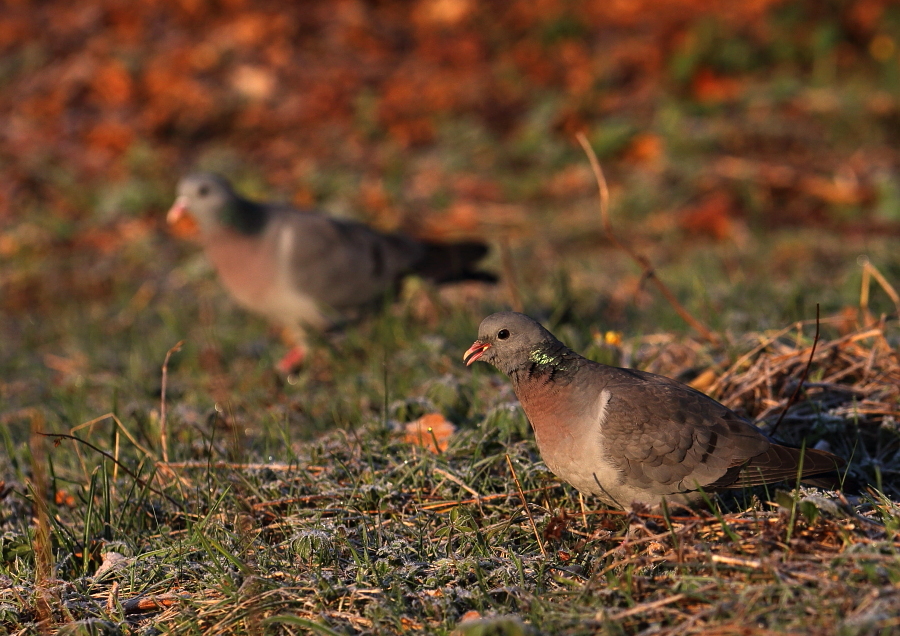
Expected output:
{"points": [[542, 357]]}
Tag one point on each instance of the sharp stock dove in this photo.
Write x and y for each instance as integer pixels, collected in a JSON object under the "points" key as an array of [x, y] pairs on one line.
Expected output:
{"points": [[629, 436], [302, 269]]}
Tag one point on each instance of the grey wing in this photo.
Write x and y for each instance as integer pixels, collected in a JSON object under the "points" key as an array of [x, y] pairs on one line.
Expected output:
{"points": [[666, 437], [343, 264]]}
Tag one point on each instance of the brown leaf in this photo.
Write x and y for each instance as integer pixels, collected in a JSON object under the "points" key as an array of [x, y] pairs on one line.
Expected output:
{"points": [[848, 320], [708, 86], [149, 603], [112, 84], [705, 380], [110, 136], [712, 217]]}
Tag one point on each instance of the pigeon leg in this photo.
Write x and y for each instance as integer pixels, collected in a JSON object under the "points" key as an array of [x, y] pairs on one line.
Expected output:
{"points": [[295, 338], [292, 360]]}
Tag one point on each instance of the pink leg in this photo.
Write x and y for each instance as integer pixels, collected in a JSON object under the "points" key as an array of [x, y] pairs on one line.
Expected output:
{"points": [[292, 360]]}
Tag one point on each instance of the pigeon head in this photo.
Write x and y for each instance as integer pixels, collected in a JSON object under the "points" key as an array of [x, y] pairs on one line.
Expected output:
{"points": [[509, 341], [210, 200]]}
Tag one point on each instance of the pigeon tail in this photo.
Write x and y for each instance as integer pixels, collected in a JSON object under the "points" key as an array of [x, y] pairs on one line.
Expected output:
{"points": [[453, 262], [781, 463]]}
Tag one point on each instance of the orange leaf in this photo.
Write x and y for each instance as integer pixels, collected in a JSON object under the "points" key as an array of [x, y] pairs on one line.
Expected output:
{"points": [[430, 430], [712, 216], [703, 381], [113, 84], [711, 87], [645, 148]]}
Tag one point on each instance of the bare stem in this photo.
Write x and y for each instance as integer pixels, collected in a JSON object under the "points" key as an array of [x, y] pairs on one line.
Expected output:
{"points": [[163, 426], [793, 399], [537, 535], [640, 259]]}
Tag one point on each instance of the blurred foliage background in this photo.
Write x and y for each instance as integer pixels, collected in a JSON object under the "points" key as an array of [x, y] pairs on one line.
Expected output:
{"points": [[752, 151]]}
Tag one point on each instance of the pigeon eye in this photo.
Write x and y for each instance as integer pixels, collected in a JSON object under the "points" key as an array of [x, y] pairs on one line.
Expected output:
{"points": [[503, 334], [204, 190]]}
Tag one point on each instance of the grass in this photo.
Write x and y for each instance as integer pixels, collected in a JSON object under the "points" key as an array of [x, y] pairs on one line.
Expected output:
{"points": [[285, 509], [362, 532], [298, 507]]}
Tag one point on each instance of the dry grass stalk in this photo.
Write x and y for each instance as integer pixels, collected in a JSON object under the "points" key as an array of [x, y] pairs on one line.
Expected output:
{"points": [[648, 271], [163, 424], [43, 549], [537, 535]]}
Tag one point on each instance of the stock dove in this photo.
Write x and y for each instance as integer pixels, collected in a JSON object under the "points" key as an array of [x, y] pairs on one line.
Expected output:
{"points": [[302, 269], [629, 436]]}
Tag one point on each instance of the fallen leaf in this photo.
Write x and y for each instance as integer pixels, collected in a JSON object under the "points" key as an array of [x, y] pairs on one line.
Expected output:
{"points": [[443, 12], [708, 86], [645, 148], [848, 320], [111, 561], [149, 603], [253, 82], [111, 238], [70, 369], [572, 180], [471, 615], [703, 381], [113, 84], [409, 623], [712, 217], [430, 430]]}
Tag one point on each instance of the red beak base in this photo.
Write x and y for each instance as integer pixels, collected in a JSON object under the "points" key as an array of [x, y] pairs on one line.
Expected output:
{"points": [[475, 351]]}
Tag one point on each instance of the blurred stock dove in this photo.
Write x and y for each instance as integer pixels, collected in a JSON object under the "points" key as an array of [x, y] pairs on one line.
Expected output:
{"points": [[629, 436], [302, 269]]}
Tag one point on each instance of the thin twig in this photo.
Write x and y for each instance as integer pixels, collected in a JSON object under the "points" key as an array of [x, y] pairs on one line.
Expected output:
{"points": [[640, 259], [459, 482], [793, 399], [744, 563], [276, 466], [163, 433], [864, 291], [141, 482], [871, 270], [646, 607], [112, 601], [121, 427], [537, 535], [478, 500], [42, 542]]}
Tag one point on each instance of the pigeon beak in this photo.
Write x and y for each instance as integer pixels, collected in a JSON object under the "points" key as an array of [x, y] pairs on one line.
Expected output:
{"points": [[475, 351], [181, 222], [177, 211]]}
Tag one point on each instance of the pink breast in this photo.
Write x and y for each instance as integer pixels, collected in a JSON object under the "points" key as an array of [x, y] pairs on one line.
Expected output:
{"points": [[246, 266], [551, 418]]}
